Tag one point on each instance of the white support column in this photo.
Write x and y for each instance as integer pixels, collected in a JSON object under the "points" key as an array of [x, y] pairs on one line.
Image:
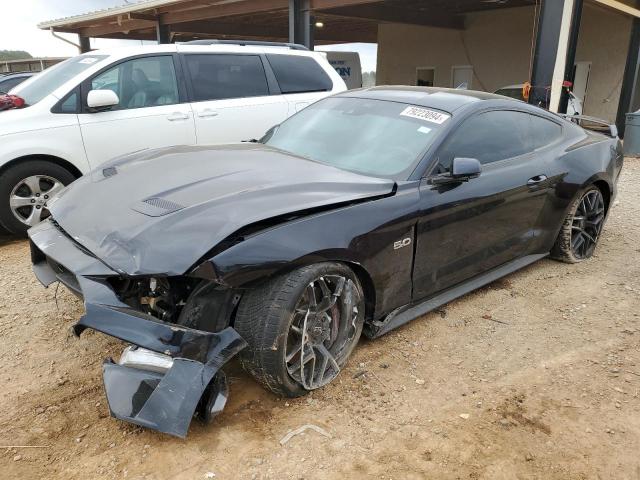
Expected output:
{"points": [[561, 56]]}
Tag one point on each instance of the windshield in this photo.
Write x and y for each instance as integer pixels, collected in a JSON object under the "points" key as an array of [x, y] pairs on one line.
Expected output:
{"points": [[54, 77], [374, 137]]}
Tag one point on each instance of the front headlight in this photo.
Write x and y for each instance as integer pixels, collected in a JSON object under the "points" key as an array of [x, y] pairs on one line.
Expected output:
{"points": [[143, 359]]}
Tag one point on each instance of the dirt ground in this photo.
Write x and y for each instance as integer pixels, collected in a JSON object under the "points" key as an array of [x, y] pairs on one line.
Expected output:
{"points": [[534, 376]]}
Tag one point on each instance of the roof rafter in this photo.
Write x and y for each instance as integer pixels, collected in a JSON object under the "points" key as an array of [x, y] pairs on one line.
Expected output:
{"points": [[224, 10], [122, 27], [384, 13]]}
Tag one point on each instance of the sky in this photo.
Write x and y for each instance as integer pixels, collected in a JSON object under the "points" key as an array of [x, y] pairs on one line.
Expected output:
{"points": [[19, 30]]}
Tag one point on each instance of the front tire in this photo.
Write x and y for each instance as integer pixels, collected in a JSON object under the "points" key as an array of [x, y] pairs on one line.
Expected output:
{"points": [[24, 191], [301, 327], [581, 229]]}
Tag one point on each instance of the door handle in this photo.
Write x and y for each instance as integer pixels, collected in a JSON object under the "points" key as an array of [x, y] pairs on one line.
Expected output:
{"points": [[533, 181], [207, 112], [174, 117]]}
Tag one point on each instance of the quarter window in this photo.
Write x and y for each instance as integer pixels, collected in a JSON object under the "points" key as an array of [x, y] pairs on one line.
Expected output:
{"points": [[141, 82], [543, 132], [216, 77], [70, 105], [489, 137], [297, 74]]}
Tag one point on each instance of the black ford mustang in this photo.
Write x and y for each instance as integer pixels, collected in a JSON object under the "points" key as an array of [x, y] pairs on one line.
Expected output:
{"points": [[360, 213]]}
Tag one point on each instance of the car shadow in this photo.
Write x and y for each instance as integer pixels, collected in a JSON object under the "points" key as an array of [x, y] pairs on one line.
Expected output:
{"points": [[6, 238]]}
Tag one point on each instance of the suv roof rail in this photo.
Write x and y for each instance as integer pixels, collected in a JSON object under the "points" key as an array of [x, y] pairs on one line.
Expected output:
{"points": [[292, 46]]}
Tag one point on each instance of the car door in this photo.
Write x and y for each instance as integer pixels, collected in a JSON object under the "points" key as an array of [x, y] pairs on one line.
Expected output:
{"points": [[300, 79], [152, 113], [547, 136], [467, 228], [231, 97]]}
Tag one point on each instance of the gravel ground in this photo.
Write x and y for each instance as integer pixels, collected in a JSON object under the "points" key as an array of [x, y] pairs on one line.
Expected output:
{"points": [[534, 376]]}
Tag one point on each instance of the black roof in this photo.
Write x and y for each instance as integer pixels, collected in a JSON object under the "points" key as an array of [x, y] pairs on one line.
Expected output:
{"points": [[446, 99]]}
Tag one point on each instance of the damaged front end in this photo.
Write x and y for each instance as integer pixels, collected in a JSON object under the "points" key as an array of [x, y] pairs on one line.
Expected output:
{"points": [[172, 370]]}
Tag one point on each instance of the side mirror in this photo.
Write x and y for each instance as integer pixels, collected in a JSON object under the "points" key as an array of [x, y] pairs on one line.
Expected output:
{"points": [[462, 170], [101, 100], [465, 168]]}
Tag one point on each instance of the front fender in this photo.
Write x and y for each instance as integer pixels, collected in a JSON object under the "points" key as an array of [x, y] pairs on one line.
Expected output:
{"points": [[245, 266], [362, 234], [64, 142]]}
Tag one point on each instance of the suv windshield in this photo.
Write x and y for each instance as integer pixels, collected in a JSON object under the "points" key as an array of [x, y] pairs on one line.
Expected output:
{"points": [[374, 137], [54, 77]]}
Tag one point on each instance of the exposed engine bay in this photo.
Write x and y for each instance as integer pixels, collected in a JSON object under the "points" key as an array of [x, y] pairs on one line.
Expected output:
{"points": [[186, 301]]}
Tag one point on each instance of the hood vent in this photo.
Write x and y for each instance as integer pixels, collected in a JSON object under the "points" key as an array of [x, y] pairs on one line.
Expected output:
{"points": [[157, 207]]}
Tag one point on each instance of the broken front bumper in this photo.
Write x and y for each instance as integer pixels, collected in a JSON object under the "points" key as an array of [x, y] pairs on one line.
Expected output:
{"points": [[164, 400]]}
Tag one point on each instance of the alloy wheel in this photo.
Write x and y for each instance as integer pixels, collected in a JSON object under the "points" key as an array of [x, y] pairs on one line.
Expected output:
{"points": [[587, 223], [28, 199], [322, 330]]}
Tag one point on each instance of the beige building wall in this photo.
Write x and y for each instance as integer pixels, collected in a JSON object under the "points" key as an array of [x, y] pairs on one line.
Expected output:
{"points": [[604, 41], [498, 45]]}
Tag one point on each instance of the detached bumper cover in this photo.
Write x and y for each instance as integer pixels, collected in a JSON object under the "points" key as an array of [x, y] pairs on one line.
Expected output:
{"points": [[164, 402]]}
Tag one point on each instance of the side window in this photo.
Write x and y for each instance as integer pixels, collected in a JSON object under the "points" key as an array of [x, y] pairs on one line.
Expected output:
{"points": [[543, 132], [70, 105], [141, 82], [297, 74], [216, 77], [489, 137], [107, 80]]}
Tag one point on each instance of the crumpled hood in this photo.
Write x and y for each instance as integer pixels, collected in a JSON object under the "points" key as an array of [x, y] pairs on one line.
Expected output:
{"points": [[160, 211]]}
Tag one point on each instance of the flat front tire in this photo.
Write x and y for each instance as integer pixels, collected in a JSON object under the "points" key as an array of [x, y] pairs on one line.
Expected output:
{"points": [[25, 189], [301, 327]]}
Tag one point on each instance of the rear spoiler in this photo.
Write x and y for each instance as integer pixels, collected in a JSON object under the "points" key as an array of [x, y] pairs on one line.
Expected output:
{"points": [[597, 124]]}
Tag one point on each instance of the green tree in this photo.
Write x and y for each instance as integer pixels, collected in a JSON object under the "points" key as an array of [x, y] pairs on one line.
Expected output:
{"points": [[14, 55]]}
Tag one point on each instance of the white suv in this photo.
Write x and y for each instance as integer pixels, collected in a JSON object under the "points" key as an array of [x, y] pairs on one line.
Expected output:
{"points": [[103, 104]]}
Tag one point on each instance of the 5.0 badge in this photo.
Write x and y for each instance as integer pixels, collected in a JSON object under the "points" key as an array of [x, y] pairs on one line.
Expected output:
{"points": [[402, 243]]}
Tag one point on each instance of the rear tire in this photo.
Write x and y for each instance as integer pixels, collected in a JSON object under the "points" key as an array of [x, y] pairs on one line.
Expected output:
{"points": [[23, 190], [301, 327], [581, 229]]}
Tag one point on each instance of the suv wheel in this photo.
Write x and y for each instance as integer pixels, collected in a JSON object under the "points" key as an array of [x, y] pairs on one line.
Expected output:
{"points": [[25, 190]]}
